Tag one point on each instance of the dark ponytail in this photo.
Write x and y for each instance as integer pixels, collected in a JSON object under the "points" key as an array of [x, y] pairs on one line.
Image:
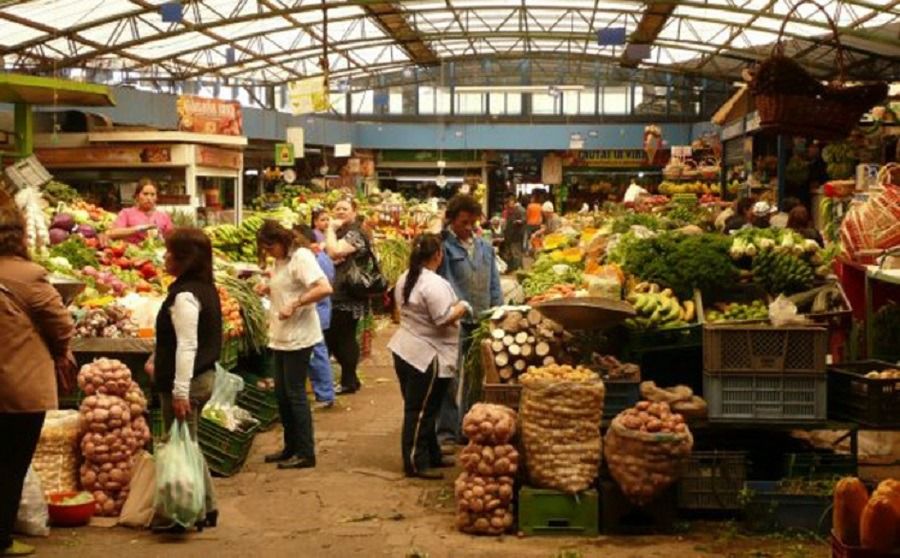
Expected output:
{"points": [[425, 246]]}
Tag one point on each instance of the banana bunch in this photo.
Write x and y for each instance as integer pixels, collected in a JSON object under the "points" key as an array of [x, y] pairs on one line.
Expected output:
{"points": [[236, 243], [782, 272], [658, 308]]}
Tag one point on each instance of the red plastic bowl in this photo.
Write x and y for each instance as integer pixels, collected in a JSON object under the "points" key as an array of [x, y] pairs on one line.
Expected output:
{"points": [[68, 516]]}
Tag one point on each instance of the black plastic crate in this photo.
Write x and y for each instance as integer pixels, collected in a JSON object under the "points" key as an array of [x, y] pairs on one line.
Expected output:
{"points": [[819, 465], [620, 395], [867, 401], [618, 516], [712, 481], [771, 507]]}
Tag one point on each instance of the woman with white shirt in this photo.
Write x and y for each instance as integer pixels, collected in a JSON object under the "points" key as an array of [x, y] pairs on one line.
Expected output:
{"points": [[425, 350], [188, 340], [296, 284]]}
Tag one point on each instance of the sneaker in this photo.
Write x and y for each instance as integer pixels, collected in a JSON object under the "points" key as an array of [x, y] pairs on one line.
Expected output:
{"points": [[282, 455], [343, 390], [323, 405], [18, 548]]}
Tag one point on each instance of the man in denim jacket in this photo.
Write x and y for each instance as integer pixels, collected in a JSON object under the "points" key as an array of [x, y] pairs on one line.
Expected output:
{"points": [[470, 266]]}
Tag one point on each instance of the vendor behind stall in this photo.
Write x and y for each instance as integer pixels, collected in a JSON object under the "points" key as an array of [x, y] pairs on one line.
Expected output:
{"points": [[133, 223]]}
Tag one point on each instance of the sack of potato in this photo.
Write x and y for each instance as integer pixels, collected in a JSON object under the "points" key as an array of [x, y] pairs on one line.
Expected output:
{"points": [[681, 399], [561, 410], [646, 447], [56, 457], [484, 490]]}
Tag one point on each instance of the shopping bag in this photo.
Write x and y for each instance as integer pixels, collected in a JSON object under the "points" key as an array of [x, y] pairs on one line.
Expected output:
{"points": [[138, 508], [32, 517], [180, 483], [221, 407]]}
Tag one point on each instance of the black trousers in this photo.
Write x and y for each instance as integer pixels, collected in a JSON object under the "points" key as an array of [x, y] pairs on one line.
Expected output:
{"points": [[341, 340], [291, 371], [422, 395], [19, 434]]}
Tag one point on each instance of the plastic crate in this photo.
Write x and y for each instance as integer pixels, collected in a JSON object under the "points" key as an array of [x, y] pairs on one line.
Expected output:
{"points": [[867, 401], [502, 394], [840, 550], [261, 404], [212, 434], [636, 342], [618, 516], [819, 465], [770, 509], [763, 348], [552, 512], [221, 462], [748, 396], [713, 480], [620, 395]]}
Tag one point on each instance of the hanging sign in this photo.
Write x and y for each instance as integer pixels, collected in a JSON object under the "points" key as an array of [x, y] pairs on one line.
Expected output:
{"points": [[209, 116], [295, 136], [308, 95], [284, 154]]}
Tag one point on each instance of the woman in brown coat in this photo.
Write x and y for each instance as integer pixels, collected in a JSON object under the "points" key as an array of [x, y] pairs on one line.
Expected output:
{"points": [[35, 344]]}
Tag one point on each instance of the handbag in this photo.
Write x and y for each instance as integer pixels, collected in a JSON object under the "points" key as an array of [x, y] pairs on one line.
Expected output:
{"points": [[363, 281]]}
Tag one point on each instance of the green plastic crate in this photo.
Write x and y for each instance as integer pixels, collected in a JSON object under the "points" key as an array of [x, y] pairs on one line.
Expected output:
{"points": [[213, 435], [552, 512], [819, 465], [261, 404], [221, 462]]}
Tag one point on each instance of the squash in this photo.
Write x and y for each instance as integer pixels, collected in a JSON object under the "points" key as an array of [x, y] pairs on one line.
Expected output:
{"points": [[850, 498], [890, 489], [878, 527]]}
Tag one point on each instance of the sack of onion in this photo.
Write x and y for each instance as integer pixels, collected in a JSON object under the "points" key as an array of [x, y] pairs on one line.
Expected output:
{"points": [[646, 447], [484, 504], [106, 376], [561, 411], [112, 418], [484, 490], [486, 423]]}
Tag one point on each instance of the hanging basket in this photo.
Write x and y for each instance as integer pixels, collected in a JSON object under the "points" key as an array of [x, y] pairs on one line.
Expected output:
{"points": [[791, 101]]}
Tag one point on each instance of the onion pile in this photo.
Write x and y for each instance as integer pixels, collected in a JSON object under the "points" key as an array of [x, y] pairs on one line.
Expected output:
{"points": [[56, 456], [115, 429], [561, 411], [484, 490], [645, 448]]}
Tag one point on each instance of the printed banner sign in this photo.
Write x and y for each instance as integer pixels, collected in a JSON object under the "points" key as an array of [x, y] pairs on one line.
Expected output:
{"points": [[209, 116]]}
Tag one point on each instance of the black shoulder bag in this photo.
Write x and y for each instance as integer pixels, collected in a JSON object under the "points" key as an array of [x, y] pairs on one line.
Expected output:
{"points": [[362, 281]]}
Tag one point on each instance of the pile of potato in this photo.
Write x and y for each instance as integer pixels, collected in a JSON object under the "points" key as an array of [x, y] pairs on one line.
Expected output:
{"points": [[561, 411], [56, 456], [112, 417], [645, 449], [889, 374], [484, 490]]}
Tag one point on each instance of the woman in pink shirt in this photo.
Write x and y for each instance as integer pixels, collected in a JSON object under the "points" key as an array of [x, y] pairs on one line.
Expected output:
{"points": [[133, 223]]}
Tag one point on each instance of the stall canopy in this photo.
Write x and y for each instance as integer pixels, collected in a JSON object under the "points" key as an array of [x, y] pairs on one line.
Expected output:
{"points": [[256, 42]]}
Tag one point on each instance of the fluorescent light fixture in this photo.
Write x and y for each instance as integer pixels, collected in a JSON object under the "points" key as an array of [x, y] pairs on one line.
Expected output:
{"points": [[450, 179], [515, 88], [251, 172]]}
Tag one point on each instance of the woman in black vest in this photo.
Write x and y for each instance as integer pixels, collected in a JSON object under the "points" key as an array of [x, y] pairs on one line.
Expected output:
{"points": [[345, 241], [188, 337]]}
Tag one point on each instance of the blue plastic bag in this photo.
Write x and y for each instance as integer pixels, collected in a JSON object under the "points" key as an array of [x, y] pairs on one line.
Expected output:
{"points": [[180, 481]]}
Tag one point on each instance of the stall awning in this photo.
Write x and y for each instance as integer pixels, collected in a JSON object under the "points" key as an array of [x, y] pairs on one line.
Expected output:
{"points": [[36, 90]]}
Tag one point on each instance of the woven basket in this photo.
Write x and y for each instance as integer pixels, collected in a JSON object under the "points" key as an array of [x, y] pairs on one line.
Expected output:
{"points": [[690, 171], [824, 112], [673, 170], [710, 169]]}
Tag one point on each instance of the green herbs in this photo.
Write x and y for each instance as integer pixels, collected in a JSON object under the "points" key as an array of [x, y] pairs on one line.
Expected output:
{"points": [[680, 262], [624, 223], [75, 250], [393, 257]]}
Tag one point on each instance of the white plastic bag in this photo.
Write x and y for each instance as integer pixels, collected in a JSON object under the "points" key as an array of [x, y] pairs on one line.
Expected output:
{"points": [[33, 517], [180, 480], [221, 407], [783, 312]]}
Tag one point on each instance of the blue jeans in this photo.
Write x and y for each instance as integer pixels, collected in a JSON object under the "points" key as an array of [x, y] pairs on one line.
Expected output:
{"points": [[291, 368], [320, 373]]}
